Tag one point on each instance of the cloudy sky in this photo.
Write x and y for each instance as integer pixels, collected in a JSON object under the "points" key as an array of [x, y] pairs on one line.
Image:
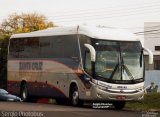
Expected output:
{"points": [[129, 14]]}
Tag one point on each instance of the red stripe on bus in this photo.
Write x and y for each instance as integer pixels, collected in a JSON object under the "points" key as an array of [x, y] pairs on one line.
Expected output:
{"points": [[52, 86], [77, 71]]}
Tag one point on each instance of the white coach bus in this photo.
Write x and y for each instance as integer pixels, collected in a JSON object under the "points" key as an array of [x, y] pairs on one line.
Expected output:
{"points": [[79, 63]]}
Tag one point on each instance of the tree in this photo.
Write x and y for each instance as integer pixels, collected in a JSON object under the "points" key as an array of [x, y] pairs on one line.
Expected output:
{"points": [[4, 39], [17, 24], [25, 23]]}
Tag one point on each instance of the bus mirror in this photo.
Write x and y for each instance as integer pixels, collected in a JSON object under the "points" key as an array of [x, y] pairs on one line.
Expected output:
{"points": [[92, 51], [150, 55]]}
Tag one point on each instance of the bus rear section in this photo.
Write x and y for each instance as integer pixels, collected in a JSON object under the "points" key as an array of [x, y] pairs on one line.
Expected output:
{"points": [[43, 66]]}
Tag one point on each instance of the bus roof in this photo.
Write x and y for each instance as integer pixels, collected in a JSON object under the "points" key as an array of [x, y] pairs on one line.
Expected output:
{"points": [[90, 31]]}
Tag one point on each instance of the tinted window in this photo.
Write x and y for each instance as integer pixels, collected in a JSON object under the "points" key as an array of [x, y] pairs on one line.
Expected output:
{"points": [[59, 47], [24, 48], [64, 49]]}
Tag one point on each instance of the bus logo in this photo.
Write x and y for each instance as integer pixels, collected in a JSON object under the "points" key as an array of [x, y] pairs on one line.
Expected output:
{"points": [[30, 66]]}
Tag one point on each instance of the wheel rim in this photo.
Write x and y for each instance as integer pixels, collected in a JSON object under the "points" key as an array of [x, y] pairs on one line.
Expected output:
{"points": [[24, 94], [75, 97]]}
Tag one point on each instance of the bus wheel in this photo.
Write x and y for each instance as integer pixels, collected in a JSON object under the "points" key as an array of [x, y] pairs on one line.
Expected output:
{"points": [[119, 105], [75, 101], [24, 92]]}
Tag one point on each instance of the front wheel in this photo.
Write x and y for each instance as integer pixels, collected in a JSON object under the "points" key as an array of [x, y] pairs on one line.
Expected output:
{"points": [[119, 105], [75, 101], [24, 92]]}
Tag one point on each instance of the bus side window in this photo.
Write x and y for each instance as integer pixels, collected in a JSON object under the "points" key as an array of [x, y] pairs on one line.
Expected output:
{"points": [[87, 64]]}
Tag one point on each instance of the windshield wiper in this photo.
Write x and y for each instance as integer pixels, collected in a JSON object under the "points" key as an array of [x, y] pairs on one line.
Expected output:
{"points": [[124, 67], [122, 63], [128, 72], [116, 67]]}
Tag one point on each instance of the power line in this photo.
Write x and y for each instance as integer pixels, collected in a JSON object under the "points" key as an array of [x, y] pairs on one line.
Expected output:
{"points": [[135, 8], [153, 37], [142, 27], [151, 33], [123, 6], [103, 9], [110, 14], [104, 17], [148, 34], [139, 11], [147, 31]]}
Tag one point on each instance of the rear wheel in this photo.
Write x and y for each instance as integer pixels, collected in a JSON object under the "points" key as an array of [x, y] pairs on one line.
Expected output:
{"points": [[24, 92], [75, 101], [119, 105]]}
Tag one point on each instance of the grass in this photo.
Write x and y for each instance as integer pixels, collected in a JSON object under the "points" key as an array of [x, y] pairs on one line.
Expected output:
{"points": [[151, 102]]}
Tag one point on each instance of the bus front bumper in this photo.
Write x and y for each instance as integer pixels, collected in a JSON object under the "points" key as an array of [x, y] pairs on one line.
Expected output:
{"points": [[99, 94]]}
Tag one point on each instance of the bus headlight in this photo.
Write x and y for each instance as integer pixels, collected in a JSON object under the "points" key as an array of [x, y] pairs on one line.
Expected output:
{"points": [[102, 88]]}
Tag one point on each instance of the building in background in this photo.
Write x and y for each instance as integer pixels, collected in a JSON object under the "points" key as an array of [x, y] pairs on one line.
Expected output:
{"points": [[152, 41]]}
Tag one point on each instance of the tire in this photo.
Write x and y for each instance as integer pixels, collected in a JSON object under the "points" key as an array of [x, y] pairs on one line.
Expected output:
{"points": [[119, 105], [75, 101], [24, 92]]}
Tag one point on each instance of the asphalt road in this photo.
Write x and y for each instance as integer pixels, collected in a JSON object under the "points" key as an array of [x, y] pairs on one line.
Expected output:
{"points": [[21, 109]]}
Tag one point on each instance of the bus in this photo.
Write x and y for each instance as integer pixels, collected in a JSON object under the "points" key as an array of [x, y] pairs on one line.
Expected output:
{"points": [[78, 63]]}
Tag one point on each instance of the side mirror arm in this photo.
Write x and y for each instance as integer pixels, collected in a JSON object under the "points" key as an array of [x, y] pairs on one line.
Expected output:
{"points": [[150, 55], [92, 51]]}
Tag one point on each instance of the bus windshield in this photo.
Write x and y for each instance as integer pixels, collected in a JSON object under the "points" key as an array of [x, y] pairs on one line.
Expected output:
{"points": [[118, 61]]}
